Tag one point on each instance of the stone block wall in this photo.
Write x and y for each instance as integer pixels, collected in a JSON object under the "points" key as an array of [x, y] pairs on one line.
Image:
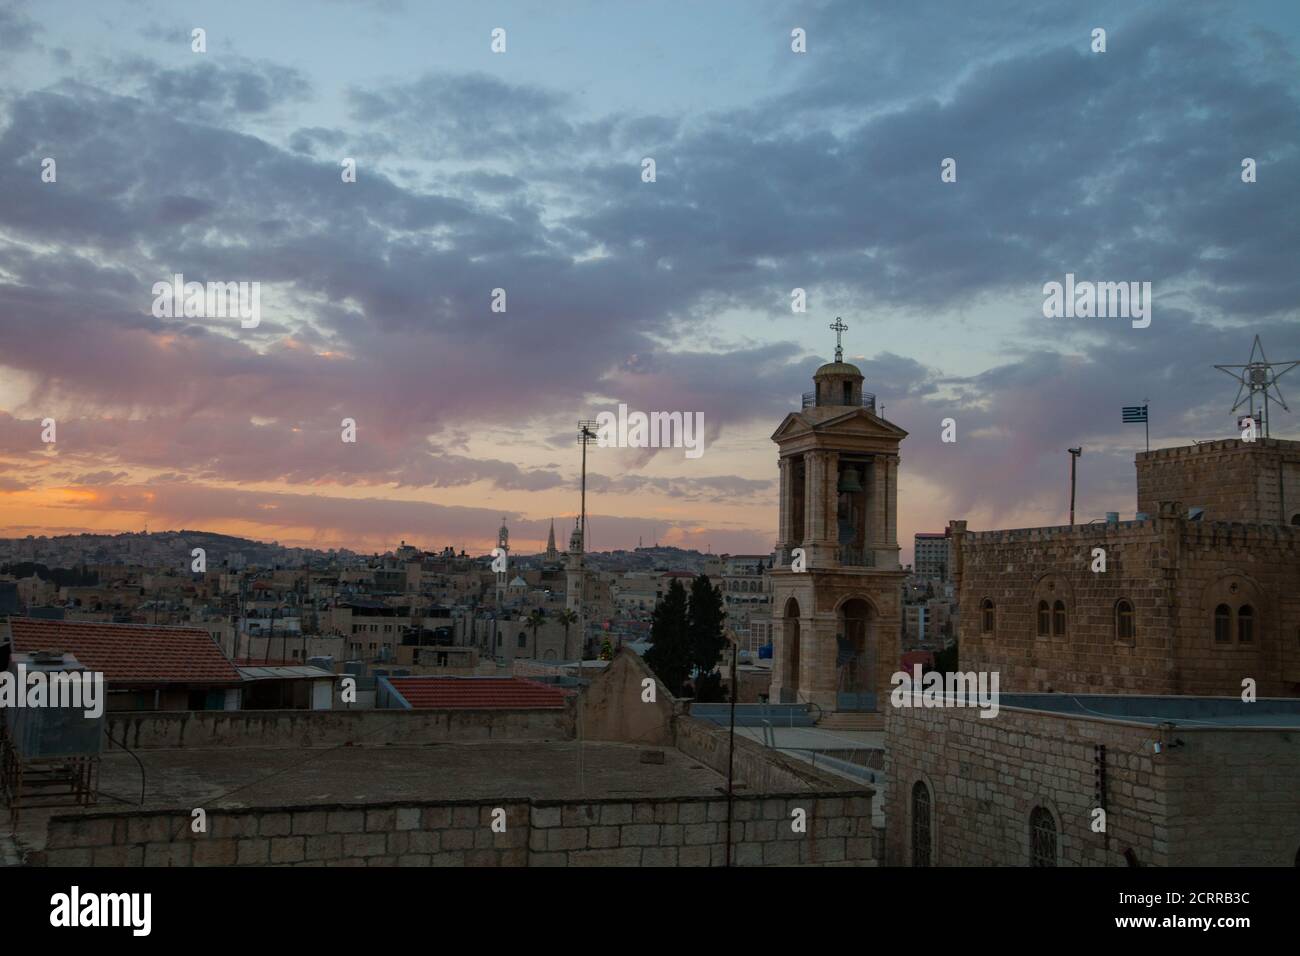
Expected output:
{"points": [[319, 728], [693, 832], [1168, 568], [653, 832], [1223, 797], [1234, 798], [1256, 482]]}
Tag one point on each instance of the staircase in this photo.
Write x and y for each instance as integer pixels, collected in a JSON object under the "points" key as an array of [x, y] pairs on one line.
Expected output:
{"points": [[850, 720]]}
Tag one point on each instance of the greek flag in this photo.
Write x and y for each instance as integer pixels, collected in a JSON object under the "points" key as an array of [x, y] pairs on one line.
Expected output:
{"points": [[1135, 413]]}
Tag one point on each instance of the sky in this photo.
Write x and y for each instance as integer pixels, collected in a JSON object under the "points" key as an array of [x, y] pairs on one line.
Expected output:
{"points": [[522, 170]]}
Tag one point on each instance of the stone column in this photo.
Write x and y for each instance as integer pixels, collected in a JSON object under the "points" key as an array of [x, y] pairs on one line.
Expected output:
{"points": [[812, 466], [879, 508], [817, 670], [830, 501], [891, 535], [822, 552], [784, 530]]}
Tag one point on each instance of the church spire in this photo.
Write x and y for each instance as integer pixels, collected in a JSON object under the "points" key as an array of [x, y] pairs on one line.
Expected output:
{"points": [[551, 553]]}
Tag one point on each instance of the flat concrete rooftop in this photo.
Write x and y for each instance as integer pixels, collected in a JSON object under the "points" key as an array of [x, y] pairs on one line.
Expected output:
{"points": [[258, 777], [1187, 712], [253, 777]]}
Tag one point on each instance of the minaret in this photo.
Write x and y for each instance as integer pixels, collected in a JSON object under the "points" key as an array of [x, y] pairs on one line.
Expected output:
{"points": [[573, 571], [552, 555], [503, 562]]}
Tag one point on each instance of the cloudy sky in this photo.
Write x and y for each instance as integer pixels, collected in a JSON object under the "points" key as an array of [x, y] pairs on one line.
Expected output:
{"points": [[522, 170]]}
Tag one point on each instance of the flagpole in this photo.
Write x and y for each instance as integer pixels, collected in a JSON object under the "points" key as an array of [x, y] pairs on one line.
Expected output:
{"points": [[1146, 421]]}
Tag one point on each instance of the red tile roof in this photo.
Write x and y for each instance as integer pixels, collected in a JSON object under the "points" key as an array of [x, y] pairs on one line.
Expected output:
{"points": [[477, 693], [131, 654]]}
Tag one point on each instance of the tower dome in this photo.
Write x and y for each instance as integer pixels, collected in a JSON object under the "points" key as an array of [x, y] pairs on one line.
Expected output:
{"points": [[838, 383]]}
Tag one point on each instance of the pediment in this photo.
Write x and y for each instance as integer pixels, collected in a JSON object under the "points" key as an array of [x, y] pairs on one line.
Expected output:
{"points": [[851, 422]]}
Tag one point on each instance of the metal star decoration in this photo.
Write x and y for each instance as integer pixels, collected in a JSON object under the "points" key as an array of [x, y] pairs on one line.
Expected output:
{"points": [[1258, 377]]}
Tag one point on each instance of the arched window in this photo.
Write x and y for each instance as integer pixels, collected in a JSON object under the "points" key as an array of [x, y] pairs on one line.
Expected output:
{"points": [[986, 616], [1245, 624], [1044, 619], [523, 639], [1042, 836], [920, 824], [1222, 624], [1058, 619], [1124, 621]]}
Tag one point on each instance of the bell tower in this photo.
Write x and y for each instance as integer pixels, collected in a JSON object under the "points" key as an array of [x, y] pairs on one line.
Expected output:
{"points": [[836, 584]]}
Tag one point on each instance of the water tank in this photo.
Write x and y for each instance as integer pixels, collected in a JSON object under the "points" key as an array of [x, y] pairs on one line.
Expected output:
{"points": [[1112, 517], [53, 731]]}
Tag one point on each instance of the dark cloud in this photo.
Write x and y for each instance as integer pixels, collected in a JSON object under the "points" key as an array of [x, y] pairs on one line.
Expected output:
{"points": [[17, 30], [376, 299]]}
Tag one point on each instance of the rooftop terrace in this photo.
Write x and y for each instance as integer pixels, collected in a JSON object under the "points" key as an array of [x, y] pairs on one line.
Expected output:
{"points": [[1185, 712]]}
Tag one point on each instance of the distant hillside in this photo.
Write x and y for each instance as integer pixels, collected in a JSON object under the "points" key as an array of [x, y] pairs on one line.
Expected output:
{"points": [[156, 549]]}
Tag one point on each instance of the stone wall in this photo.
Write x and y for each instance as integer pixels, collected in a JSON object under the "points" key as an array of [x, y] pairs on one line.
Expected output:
{"points": [[1256, 482], [613, 705], [1168, 568], [1234, 798], [1223, 797], [651, 832], [301, 728]]}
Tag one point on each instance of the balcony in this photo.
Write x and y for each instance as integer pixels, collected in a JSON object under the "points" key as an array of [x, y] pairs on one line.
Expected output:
{"points": [[856, 558], [848, 558], [868, 401]]}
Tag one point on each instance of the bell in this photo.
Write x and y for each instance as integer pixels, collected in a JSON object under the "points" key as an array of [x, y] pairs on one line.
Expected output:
{"points": [[849, 481]]}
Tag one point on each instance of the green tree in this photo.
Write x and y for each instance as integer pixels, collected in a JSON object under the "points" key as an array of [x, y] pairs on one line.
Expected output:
{"points": [[536, 618], [669, 655], [568, 618], [704, 626]]}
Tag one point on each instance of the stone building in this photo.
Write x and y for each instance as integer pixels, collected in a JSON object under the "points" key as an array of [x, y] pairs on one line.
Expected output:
{"points": [[1184, 606], [1198, 597], [1256, 482], [1182, 781], [836, 619]]}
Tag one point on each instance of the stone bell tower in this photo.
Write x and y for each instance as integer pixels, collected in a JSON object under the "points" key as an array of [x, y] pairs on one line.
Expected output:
{"points": [[836, 613]]}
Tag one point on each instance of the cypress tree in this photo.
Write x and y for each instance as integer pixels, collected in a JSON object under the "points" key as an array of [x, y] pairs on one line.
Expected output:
{"points": [[704, 633], [669, 655]]}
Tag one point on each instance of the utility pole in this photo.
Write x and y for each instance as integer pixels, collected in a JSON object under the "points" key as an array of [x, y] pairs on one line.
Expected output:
{"points": [[1074, 458], [585, 437], [731, 741]]}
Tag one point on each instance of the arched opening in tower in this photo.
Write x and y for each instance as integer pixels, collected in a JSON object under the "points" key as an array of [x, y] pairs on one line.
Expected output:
{"points": [[855, 657]]}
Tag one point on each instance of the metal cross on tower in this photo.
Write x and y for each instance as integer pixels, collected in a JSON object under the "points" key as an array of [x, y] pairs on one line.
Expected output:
{"points": [[1256, 378], [838, 327]]}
